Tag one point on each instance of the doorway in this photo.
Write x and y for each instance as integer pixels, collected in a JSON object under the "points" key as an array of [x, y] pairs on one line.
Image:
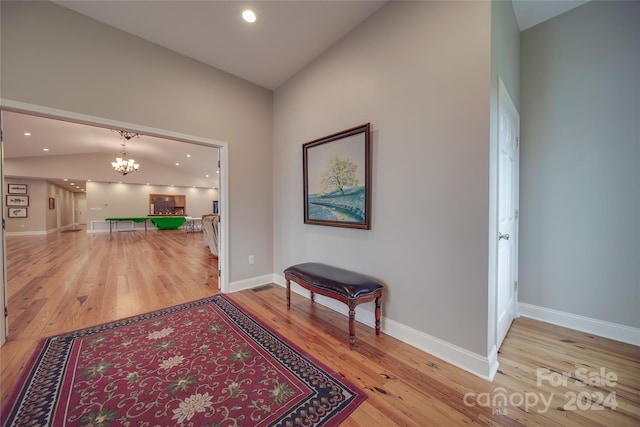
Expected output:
{"points": [[65, 116], [81, 211]]}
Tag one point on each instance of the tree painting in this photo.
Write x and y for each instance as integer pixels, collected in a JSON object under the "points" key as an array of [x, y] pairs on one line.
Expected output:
{"points": [[336, 171], [338, 175]]}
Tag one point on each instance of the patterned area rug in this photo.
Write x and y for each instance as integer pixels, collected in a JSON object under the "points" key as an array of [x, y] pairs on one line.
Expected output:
{"points": [[204, 363]]}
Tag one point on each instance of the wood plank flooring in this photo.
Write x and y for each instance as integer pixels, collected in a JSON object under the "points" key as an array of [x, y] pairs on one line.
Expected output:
{"points": [[67, 281]]}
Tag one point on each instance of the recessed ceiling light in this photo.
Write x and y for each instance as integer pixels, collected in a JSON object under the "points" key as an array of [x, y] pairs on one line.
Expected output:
{"points": [[27, 134], [177, 164], [249, 16], [66, 179], [45, 149], [206, 176], [188, 155]]}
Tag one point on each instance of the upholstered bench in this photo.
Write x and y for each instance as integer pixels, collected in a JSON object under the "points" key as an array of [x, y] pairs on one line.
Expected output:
{"points": [[342, 285]]}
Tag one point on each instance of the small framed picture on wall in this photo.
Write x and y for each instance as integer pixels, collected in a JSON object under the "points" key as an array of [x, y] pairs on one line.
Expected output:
{"points": [[14, 200], [17, 189], [17, 212]]}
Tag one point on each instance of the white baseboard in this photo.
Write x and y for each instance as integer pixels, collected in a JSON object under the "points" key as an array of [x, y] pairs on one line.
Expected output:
{"points": [[481, 366], [484, 367], [39, 232], [614, 331], [27, 233], [241, 285]]}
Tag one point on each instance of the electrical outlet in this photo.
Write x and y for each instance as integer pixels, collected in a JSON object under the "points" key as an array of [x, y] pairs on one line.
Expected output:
{"points": [[251, 259]]}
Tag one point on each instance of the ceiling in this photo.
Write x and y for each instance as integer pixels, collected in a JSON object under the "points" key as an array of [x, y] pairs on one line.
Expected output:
{"points": [[533, 12], [286, 36], [62, 138]]}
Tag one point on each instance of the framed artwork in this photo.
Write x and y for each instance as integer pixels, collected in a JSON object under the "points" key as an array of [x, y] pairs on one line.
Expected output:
{"points": [[337, 179], [17, 188], [13, 200], [52, 203], [17, 212]]}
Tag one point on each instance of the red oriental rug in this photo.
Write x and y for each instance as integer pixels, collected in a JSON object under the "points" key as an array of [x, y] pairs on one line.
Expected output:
{"points": [[204, 363]]}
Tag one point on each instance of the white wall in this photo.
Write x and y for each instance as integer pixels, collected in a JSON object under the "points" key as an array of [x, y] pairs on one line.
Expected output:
{"points": [[580, 180], [56, 58], [420, 73], [106, 200], [35, 222], [40, 219], [63, 207]]}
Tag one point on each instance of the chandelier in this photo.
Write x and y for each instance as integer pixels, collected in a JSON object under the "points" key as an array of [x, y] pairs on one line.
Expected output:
{"points": [[123, 165]]}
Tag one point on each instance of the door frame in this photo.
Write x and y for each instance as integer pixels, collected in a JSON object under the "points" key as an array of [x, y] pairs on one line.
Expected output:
{"points": [[497, 86], [505, 99], [223, 188], [493, 342], [4, 324]]}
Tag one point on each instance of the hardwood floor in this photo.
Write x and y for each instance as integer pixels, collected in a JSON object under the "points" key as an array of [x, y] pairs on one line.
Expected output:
{"points": [[66, 281]]}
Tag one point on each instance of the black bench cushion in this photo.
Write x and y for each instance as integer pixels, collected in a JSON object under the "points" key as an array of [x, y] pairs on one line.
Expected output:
{"points": [[352, 285]]}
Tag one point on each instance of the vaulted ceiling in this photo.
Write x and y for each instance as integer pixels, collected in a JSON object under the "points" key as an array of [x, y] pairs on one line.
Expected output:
{"points": [[286, 36]]}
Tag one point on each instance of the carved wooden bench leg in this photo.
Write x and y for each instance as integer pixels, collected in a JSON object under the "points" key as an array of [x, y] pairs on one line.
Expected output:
{"points": [[288, 294], [352, 326], [378, 315]]}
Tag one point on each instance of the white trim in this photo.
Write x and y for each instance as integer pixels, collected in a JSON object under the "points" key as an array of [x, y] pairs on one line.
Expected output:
{"points": [[614, 331], [464, 359], [223, 220], [254, 282], [54, 113], [223, 191], [29, 233], [503, 101], [483, 367]]}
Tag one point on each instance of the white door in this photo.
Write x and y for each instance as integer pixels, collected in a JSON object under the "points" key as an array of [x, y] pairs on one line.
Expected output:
{"points": [[82, 211], [508, 170], [4, 327]]}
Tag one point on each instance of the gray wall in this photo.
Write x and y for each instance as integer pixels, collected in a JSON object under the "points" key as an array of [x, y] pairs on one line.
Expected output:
{"points": [[36, 220], [56, 58], [505, 64], [580, 174], [40, 219], [505, 50], [420, 73]]}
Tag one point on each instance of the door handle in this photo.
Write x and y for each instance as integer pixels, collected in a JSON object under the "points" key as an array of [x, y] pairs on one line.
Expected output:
{"points": [[503, 236]]}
